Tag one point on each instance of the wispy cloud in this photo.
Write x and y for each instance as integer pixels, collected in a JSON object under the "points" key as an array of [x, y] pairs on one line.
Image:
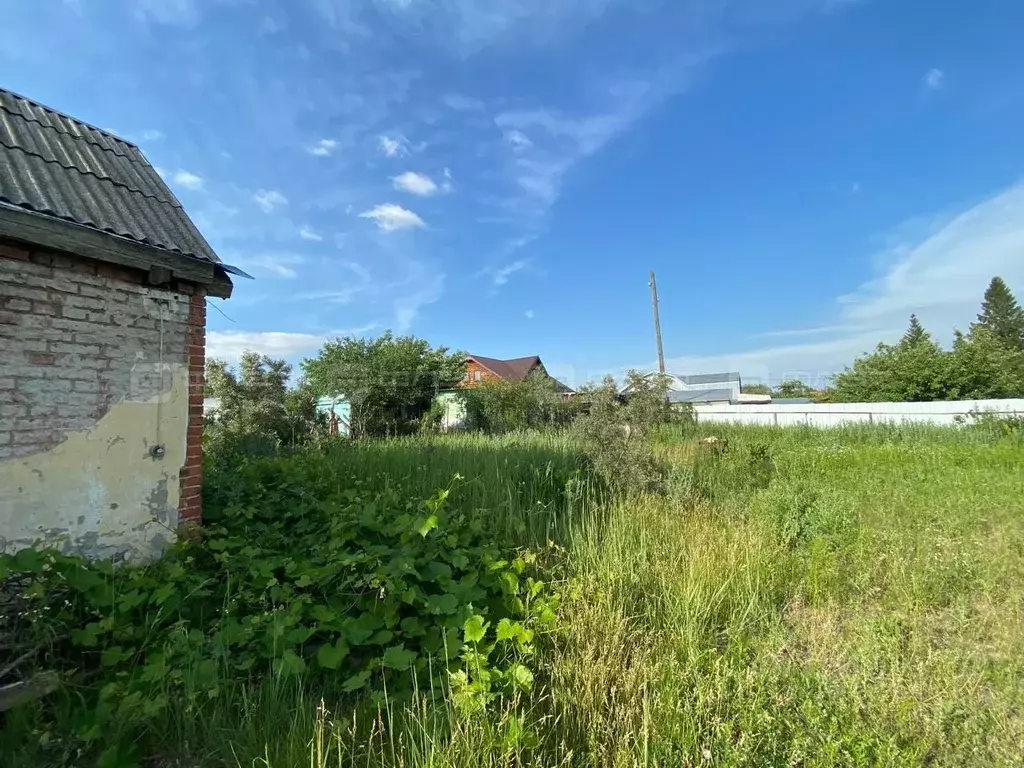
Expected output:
{"points": [[187, 180], [545, 143], [152, 135], [461, 103], [940, 277], [391, 217], [517, 139], [934, 79], [502, 274], [307, 233], [183, 13], [269, 199], [323, 148], [427, 288], [393, 146], [276, 264], [820, 330], [415, 184], [529, 314]]}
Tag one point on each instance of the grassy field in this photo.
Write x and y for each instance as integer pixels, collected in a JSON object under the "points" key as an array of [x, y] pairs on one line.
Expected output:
{"points": [[803, 597]]}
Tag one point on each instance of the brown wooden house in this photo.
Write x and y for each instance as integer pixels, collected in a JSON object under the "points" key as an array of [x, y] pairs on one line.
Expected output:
{"points": [[480, 369]]}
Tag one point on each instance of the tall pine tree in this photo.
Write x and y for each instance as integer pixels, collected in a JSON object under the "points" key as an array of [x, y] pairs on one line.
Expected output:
{"points": [[1001, 314], [915, 333]]}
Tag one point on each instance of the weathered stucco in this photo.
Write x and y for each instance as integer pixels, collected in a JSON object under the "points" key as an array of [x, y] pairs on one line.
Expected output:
{"points": [[101, 492], [95, 403]]}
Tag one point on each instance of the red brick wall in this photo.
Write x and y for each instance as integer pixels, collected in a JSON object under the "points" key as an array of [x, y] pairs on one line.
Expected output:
{"points": [[190, 509], [77, 336]]}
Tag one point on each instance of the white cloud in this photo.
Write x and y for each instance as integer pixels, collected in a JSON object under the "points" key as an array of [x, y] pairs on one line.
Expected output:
{"points": [[393, 146], [502, 274], [183, 13], [933, 79], [269, 199], [819, 331], [277, 264], [461, 103], [187, 180], [940, 277], [517, 139], [323, 148], [307, 233], [391, 217], [152, 135], [426, 286], [415, 184], [547, 143], [529, 314], [229, 345]]}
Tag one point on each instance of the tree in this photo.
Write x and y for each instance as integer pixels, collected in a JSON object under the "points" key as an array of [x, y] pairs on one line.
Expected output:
{"points": [[916, 334], [499, 405], [756, 389], [390, 381], [256, 407], [1002, 315], [793, 388], [914, 370], [982, 366]]}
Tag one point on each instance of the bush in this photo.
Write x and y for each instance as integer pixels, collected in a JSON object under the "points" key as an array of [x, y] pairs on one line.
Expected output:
{"points": [[295, 575], [500, 406], [616, 432]]}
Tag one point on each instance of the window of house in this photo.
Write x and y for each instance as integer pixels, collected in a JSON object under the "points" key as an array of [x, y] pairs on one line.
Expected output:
{"points": [[477, 376]]}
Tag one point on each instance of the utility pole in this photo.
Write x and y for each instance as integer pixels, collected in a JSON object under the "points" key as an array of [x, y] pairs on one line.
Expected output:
{"points": [[657, 324]]}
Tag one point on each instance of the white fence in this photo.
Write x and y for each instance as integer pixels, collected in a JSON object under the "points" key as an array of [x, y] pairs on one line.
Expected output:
{"points": [[835, 414]]}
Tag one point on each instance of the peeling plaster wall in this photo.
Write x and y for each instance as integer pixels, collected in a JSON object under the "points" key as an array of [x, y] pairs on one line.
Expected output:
{"points": [[94, 374], [100, 493]]}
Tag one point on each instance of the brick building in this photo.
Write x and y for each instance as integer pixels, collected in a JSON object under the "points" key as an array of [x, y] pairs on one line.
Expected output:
{"points": [[103, 285]]}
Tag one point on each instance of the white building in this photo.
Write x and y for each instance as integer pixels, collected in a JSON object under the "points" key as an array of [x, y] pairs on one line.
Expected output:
{"points": [[700, 388]]}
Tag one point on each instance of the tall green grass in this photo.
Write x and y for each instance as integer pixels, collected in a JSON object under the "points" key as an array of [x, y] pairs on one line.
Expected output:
{"points": [[805, 597]]}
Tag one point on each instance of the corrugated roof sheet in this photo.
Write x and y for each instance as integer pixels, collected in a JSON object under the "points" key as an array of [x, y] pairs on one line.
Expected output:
{"points": [[708, 378], [700, 396], [58, 166]]}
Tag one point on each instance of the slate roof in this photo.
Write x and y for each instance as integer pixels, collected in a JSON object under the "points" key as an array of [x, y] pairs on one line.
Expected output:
{"points": [[65, 169]]}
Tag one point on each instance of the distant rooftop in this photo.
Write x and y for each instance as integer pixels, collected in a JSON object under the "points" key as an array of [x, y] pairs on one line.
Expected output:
{"points": [[515, 369], [708, 378], [700, 395]]}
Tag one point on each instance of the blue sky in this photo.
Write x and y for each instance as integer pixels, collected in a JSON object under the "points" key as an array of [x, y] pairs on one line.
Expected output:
{"points": [[500, 175]]}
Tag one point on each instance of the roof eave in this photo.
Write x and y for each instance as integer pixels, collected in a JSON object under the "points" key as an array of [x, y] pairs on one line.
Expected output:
{"points": [[60, 235]]}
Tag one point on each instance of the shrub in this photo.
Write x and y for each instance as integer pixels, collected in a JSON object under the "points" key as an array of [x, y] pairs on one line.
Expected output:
{"points": [[616, 432], [295, 575], [499, 406]]}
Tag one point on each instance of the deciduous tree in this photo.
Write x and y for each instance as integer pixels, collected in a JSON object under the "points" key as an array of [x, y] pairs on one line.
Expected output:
{"points": [[389, 381]]}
